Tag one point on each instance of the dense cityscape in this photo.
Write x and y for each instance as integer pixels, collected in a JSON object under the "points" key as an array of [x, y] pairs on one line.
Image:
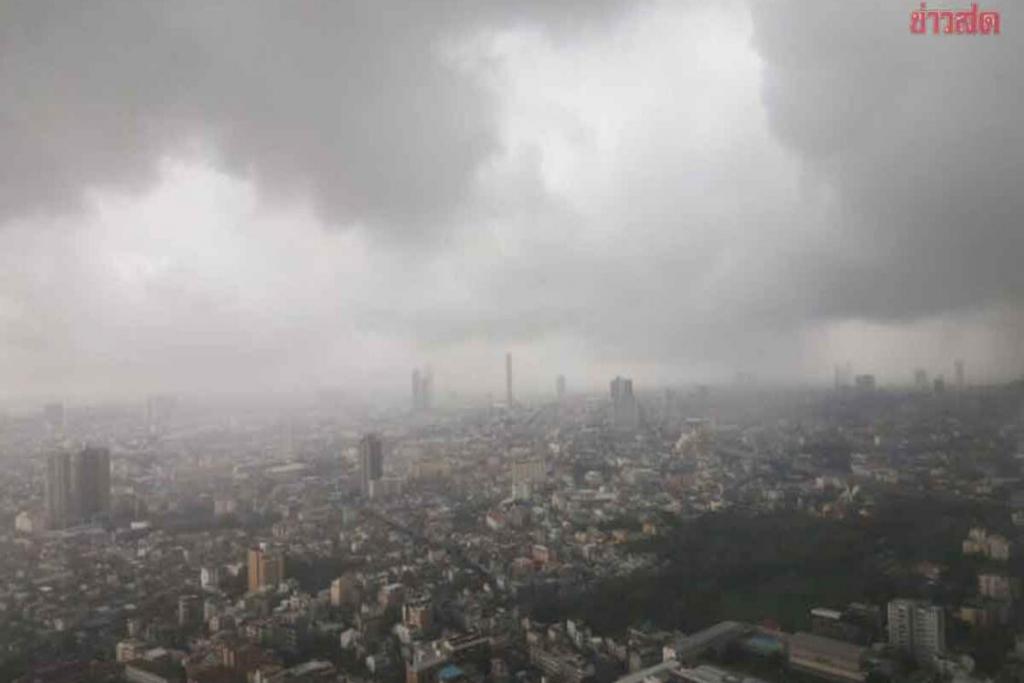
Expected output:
{"points": [[511, 341], [699, 534]]}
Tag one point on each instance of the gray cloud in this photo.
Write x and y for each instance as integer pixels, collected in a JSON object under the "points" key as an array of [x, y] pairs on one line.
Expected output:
{"points": [[919, 136], [350, 104], [604, 186], [909, 155]]}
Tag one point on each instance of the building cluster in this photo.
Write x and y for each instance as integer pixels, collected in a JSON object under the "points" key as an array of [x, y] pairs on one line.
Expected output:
{"points": [[258, 548], [77, 486]]}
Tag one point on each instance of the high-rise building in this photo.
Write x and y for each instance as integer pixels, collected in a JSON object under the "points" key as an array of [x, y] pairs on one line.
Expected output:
{"points": [[509, 396], [624, 408], [560, 387], [190, 610], [621, 386], [961, 378], [371, 460], [90, 483], [209, 577], [77, 486], [266, 568], [917, 628], [417, 613], [417, 389], [345, 591], [338, 592], [58, 490], [422, 390], [921, 380]]}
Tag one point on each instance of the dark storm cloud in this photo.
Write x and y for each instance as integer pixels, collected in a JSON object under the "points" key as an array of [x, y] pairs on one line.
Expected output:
{"points": [[920, 137], [350, 104]]}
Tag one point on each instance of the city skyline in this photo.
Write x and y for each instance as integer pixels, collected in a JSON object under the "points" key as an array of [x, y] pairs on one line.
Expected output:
{"points": [[511, 341]]}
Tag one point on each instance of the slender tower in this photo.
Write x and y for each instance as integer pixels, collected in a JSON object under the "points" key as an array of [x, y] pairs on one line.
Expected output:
{"points": [[508, 378], [371, 461], [58, 490], [417, 391]]}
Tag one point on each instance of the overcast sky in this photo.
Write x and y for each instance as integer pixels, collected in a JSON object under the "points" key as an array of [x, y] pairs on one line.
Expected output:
{"points": [[251, 196]]}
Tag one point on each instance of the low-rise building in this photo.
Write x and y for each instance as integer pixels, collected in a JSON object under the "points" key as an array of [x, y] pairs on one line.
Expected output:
{"points": [[831, 659]]}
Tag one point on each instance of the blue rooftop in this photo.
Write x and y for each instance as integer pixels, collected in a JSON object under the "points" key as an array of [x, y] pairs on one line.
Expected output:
{"points": [[450, 672]]}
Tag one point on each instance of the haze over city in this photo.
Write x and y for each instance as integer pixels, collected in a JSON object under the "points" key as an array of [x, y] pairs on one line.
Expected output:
{"points": [[241, 199], [481, 341]]}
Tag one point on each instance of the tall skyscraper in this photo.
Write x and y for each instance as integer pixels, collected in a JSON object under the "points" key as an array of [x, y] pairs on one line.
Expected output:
{"points": [[509, 397], [90, 483], [961, 378], [422, 390], [417, 389], [58, 490], [625, 414], [266, 568], [77, 486], [921, 379], [560, 387], [917, 628], [371, 459]]}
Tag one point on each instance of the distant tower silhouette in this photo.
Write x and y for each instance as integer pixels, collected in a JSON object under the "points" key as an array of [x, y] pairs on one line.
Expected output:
{"points": [[90, 483], [77, 486], [417, 391], [560, 387], [961, 379], [624, 407], [509, 398], [371, 460], [58, 489], [422, 389]]}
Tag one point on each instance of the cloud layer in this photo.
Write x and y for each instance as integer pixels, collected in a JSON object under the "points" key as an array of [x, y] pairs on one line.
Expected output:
{"points": [[274, 196], [919, 137]]}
